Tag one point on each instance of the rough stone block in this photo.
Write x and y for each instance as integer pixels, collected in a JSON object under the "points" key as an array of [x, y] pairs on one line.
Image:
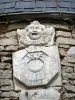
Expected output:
{"points": [[65, 81], [62, 52], [7, 41], [70, 76], [69, 60], [5, 98], [16, 26], [5, 82], [71, 52], [9, 94], [1, 48], [70, 89], [5, 53], [66, 69], [6, 59], [5, 74], [74, 68], [73, 82], [68, 41], [7, 88], [64, 46], [62, 26], [73, 31], [1, 72], [2, 36], [63, 34], [69, 96], [73, 36], [5, 66], [11, 34], [11, 48], [67, 64]]}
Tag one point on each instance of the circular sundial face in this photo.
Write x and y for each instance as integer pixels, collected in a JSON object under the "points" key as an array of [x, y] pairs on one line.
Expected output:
{"points": [[36, 68], [33, 65]]}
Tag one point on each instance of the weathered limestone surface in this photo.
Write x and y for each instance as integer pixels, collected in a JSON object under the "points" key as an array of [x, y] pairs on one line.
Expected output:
{"points": [[5, 66], [68, 41], [7, 54], [36, 34], [69, 76], [67, 64], [70, 89], [11, 48], [8, 44], [5, 82], [12, 34], [38, 65], [71, 52], [62, 52], [69, 96], [73, 36], [9, 94], [5, 74], [43, 94], [64, 46], [67, 69], [69, 60], [16, 26], [6, 59], [60, 26], [63, 34], [24, 62], [1, 48]]}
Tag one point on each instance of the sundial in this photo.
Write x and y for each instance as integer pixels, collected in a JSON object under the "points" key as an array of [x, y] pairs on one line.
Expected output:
{"points": [[38, 63], [36, 68]]}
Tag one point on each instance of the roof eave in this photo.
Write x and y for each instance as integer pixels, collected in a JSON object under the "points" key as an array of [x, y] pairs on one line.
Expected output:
{"points": [[28, 15]]}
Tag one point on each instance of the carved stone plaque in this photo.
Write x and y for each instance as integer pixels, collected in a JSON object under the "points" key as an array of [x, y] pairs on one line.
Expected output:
{"points": [[36, 65], [43, 94]]}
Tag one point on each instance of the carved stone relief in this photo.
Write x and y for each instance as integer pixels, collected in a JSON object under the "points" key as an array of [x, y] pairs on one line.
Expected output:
{"points": [[37, 65], [36, 34], [43, 94]]}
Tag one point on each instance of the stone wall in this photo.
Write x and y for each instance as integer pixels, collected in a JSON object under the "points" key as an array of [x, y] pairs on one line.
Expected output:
{"points": [[65, 38]]}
